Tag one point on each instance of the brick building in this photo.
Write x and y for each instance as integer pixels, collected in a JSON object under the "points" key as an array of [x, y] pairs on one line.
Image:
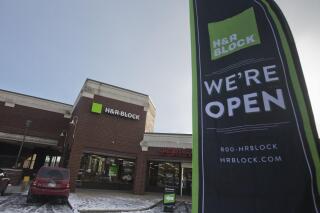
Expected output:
{"points": [[106, 139]]}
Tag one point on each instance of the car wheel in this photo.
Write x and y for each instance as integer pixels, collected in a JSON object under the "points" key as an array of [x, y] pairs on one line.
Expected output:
{"points": [[30, 198], [4, 190], [63, 200]]}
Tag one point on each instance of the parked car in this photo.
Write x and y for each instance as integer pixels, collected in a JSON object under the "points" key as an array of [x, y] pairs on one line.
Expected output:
{"points": [[4, 182], [52, 182]]}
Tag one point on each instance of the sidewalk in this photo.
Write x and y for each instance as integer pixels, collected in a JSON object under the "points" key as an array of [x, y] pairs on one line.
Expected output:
{"points": [[91, 200]]}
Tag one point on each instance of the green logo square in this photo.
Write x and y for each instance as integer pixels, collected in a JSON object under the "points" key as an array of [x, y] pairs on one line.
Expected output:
{"points": [[96, 108], [233, 34]]}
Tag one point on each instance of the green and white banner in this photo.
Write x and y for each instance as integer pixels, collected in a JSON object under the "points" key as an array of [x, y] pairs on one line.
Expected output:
{"points": [[255, 144]]}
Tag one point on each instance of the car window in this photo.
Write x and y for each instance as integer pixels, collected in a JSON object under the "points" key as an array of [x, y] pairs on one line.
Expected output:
{"points": [[54, 174]]}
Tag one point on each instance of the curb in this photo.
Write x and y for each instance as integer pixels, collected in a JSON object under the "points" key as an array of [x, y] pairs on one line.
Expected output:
{"points": [[118, 210], [68, 203]]}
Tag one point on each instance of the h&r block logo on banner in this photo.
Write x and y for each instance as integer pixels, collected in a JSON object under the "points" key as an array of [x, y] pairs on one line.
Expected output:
{"points": [[233, 34]]}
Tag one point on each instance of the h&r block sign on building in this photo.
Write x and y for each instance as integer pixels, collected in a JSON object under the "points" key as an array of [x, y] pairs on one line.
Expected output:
{"points": [[99, 109]]}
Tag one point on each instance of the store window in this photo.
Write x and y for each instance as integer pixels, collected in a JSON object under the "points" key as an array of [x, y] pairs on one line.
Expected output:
{"points": [[98, 171], [162, 173], [52, 161], [29, 162]]}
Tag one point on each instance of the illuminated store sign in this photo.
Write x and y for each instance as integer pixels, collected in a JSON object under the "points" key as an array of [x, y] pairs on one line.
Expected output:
{"points": [[98, 108], [176, 152]]}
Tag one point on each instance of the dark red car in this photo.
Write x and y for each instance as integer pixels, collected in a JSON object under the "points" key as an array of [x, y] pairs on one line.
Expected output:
{"points": [[4, 181], [50, 182]]}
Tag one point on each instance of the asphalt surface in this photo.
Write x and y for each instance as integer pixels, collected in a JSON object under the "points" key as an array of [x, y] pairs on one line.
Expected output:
{"points": [[16, 203]]}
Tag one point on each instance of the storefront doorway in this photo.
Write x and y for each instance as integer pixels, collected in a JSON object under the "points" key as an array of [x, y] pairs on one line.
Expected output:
{"points": [[186, 180], [159, 172]]}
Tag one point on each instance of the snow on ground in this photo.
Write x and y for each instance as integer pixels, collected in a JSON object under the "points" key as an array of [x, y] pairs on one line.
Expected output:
{"points": [[181, 207], [16, 203], [93, 200], [111, 200]]}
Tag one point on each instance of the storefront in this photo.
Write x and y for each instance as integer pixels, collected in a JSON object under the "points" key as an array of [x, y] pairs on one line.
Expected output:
{"points": [[169, 156], [106, 172], [105, 138], [159, 172]]}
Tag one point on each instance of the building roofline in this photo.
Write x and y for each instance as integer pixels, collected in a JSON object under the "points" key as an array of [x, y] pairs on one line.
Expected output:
{"points": [[121, 88], [97, 88], [11, 99], [91, 88], [166, 140], [116, 87], [31, 96]]}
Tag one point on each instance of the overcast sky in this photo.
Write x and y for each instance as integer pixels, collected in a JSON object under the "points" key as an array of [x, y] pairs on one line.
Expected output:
{"points": [[48, 48]]}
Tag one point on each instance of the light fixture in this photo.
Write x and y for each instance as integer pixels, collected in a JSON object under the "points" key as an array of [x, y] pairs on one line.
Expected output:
{"points": [[74, 120]]}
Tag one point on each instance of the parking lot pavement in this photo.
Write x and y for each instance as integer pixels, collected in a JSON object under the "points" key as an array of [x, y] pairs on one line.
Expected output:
{"points": [[16, 203]]}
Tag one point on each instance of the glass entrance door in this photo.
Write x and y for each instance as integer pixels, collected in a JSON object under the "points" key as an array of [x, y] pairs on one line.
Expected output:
{"points": [[160, 172], [187, 181]]}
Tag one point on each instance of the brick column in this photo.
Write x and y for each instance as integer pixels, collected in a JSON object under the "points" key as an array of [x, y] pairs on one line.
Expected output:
{"points": [[140, 174], [74, 165]]}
